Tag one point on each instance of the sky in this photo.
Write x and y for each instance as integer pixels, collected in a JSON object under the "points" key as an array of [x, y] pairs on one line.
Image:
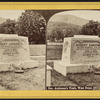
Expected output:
{"points": [[11, 14], [86, 14]]}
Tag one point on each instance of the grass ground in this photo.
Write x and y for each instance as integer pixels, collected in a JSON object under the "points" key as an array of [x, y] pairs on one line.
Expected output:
{"points": [[83, 79], [54, 52], [31, 79]]}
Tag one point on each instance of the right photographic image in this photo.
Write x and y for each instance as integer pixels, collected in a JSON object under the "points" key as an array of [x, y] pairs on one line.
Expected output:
{"points": [[73, 50]]}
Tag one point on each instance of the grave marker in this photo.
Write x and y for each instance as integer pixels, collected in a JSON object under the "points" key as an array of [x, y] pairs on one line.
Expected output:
{"points": [[14, 52], [79, 53]]}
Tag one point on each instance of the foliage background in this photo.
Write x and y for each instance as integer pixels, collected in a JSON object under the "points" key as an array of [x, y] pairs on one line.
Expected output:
{"points": [[30, 24]]}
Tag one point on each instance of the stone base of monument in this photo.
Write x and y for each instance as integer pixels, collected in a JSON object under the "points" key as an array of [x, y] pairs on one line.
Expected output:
{"points": [[5, 67], [18, 66], [29, 64], [65, 68]]}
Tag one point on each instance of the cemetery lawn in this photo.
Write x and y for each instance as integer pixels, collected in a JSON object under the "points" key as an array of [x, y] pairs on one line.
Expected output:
{"points": [[54, 52], [31, 79], [79, 79]]}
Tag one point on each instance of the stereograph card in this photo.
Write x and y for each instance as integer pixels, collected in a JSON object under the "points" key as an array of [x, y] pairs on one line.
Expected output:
{"points": [[49, 50]]}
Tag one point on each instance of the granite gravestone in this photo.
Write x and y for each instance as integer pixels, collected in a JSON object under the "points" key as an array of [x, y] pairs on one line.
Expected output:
{"points": [[14, 53], [79, 54], [81, 50]]}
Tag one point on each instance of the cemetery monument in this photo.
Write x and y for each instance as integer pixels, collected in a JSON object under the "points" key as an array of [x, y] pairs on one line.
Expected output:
{"points": [[80, 53], [14, 53]]}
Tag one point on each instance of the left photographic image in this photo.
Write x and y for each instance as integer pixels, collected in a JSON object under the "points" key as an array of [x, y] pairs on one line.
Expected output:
{"points": [[22, 50]]}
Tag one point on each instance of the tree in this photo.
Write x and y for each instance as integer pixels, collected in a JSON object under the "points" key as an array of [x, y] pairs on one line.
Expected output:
{"points": [[59, 34], [32, 25], [8, 27], [91, 28], [53, 35], [59, 30]]}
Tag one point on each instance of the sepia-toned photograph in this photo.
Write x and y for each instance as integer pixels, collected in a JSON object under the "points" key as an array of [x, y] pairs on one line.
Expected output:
{"points": [[49, 50], [73, 50], [22, 50]]}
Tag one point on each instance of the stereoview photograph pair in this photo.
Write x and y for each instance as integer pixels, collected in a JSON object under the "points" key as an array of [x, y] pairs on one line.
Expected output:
{"points": [[49, 49]]}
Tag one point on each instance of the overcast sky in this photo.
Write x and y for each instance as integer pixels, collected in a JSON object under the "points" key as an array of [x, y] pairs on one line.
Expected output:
{"points": [[86, 14], [11, 14]]}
